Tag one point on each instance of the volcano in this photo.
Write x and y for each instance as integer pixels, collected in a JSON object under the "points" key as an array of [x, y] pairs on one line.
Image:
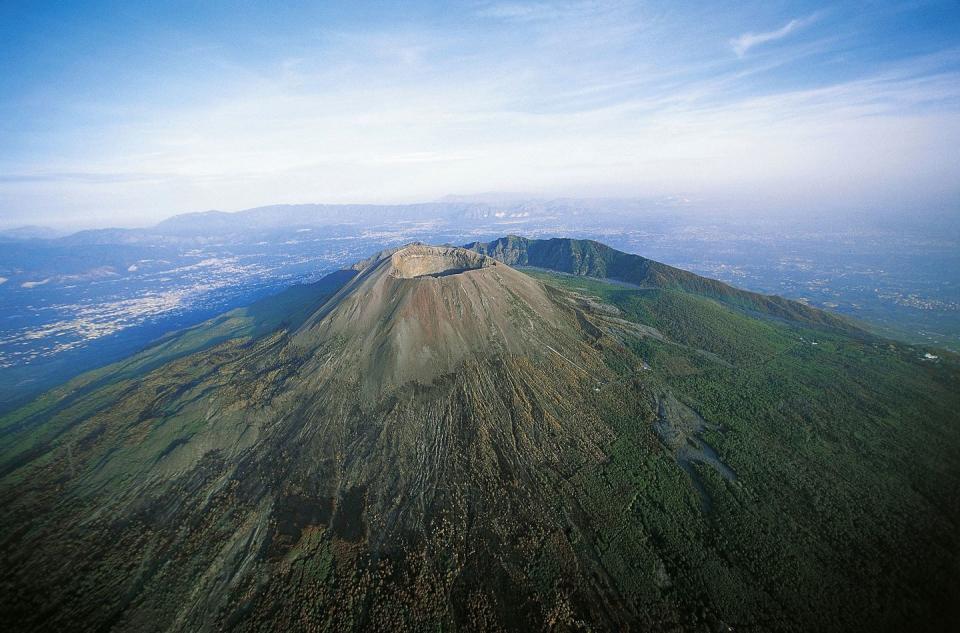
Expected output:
{"points": [[436, 439], [411, 429], [422, 311]]}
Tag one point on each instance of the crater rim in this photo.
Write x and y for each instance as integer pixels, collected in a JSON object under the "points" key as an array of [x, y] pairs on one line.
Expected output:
{"points": [[423, 262]]}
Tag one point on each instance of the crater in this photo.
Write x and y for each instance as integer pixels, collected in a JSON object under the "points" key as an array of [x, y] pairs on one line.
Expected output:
{"points": [[415, 262]]}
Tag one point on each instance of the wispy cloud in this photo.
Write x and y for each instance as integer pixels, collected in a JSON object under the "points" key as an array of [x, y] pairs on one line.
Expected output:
{"points": [[518, 11], [609, 96], [553, 11], [78, 177], [745, 42]]}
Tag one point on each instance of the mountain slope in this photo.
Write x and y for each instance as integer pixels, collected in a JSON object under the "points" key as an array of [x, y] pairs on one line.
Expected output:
{"points": [[437, 440], [593, 259], [272, 449]]}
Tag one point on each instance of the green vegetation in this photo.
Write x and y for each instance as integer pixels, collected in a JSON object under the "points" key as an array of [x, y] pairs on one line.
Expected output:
{"points": [[668, 455], [846, 451]]}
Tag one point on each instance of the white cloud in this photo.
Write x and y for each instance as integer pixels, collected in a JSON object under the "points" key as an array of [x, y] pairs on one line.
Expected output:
{"points": [[583, 15], [519, 11], [597, 99], [745, 42]]}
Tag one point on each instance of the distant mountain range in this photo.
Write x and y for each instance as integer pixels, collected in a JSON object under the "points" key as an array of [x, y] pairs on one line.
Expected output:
{"points": [[515, 435], [30, 233], [283, 217]]}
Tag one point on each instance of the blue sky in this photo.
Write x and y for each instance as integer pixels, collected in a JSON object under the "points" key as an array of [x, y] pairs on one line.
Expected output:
{"points": [[124, 113]]}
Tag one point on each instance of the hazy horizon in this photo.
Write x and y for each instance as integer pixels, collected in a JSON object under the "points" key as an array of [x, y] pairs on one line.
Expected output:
{"points": [[121, 116], [685, 211]]}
